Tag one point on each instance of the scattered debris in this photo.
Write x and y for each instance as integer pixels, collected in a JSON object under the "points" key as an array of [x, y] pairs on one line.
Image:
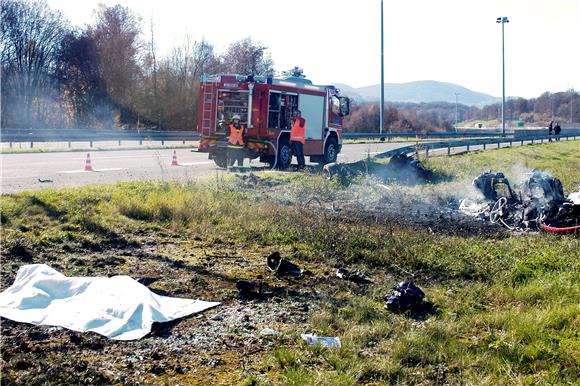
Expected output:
{"points": [[574, 197], [269, 332], [346, 172], [247, 289], [408, 170], [44, 181], [538, 203], [474, 208], [281, 266], [405, 296], [20, 252], [355, 276], [401, 168], [324, 341], [493, 186]]}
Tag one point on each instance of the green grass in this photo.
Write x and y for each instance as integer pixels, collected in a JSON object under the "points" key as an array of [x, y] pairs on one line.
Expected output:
{"points": [[506, 308], [562, 159]]}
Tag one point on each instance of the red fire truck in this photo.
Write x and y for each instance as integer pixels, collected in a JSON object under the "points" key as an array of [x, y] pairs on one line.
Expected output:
{"points": [[266, 107]]}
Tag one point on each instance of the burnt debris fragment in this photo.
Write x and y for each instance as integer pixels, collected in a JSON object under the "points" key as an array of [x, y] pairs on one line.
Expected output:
{"points": [[400, 169], [405, 296], [282, 267], [356, 276], [247, 289]]}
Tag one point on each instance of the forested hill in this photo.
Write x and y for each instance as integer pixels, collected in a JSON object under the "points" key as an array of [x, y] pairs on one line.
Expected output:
{"points": [[419, 91], [563, 107]]}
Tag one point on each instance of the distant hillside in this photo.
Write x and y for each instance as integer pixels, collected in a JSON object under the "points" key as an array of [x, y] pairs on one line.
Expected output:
{"points": [[351, 92], [417, 92]]}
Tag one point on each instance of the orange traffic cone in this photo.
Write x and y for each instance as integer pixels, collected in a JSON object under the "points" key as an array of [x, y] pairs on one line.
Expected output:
{"points": [[174, 161], [88, 167]]}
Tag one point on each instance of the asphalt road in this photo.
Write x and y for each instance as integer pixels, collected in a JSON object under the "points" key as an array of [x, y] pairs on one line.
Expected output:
{"points": [[33, 171]]}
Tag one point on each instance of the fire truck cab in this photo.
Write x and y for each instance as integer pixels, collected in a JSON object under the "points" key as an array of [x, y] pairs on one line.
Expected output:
{"points": [[266, 107]]}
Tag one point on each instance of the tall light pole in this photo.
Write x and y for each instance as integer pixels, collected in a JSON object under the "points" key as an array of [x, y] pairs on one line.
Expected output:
{"points": [[502, 20], [382, 109], [571, 101], [456, 95]]}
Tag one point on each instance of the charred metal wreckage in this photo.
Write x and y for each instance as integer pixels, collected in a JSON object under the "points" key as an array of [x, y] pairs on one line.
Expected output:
{"points": [[538, 203]]}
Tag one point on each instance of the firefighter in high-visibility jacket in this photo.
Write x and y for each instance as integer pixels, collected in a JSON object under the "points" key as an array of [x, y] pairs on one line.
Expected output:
{"points": [[297, 138], [236, 142]]}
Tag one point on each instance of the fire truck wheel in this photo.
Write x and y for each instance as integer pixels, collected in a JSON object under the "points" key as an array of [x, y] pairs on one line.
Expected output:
{"points": [[221, 161], [284, 154], [330, 151]]}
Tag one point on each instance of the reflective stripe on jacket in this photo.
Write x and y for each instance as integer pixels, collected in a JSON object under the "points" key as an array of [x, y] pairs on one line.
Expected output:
{"points": [[236, 135], [298, 129]]}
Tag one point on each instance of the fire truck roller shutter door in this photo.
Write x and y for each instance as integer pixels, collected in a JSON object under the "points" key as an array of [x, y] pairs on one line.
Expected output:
{"points": [[312, 108]]}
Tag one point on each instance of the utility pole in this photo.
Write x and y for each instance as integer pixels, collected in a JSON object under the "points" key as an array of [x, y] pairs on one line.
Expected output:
{"points": [[456, 116], [502, 20], [382, 109], [155, 93], [571, 102]]}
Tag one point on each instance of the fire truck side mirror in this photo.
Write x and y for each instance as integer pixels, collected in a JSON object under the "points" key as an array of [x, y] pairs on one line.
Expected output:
{"points": [[344, 106]]}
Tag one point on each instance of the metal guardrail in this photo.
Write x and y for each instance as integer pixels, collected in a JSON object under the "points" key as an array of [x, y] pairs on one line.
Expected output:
{"points": [[94, 135], [427, 146], [9, 135], [411, 135], [88, 135]]}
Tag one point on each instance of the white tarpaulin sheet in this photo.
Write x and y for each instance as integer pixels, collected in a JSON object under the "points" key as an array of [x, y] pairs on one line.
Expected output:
{"points": [[117, 307]]}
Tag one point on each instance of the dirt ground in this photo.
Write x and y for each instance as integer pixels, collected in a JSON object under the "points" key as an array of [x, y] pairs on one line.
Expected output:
{"points": [[191, 348], [223, 344]]}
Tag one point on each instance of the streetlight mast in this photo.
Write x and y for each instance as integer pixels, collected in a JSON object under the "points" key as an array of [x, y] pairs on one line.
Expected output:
{"points": [[502, 20], [382, 108], [456, 95]]}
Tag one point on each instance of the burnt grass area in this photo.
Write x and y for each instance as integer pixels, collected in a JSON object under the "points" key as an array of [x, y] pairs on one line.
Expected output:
{"points": [[195, 240]]}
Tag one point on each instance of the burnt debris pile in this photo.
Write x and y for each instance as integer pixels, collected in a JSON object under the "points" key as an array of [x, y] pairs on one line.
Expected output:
{"points": [[401, 169], [537, 203]]}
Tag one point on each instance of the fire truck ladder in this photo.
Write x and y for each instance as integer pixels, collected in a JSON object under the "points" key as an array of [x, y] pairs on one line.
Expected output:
{"points": [[208, 109]]}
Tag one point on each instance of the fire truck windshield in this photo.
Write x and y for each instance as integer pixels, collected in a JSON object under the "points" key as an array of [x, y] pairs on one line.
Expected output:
{"points": [[232, 103]]}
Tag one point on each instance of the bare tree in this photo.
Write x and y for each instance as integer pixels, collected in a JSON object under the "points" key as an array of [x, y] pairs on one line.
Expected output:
{"points": [[178, 76], [116, 35], [247, 58], [30, 37], [82, 88], [204, 59], [154, 63]]}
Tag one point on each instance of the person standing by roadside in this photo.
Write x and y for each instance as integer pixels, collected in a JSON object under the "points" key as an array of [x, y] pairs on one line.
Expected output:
{"points": [[297, 138], [557, 130], [551, 130], [236, 142]]}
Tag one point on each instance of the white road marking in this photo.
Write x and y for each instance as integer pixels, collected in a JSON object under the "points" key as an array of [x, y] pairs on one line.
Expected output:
{"points": [[91, 171], [195, 163]]}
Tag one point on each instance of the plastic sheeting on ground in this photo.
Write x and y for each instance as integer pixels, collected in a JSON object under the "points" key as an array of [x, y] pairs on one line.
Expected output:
{"points": [[118, 307]]}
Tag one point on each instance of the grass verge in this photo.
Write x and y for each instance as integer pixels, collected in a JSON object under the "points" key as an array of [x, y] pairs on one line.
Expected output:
{"points": [[505, 308]]}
